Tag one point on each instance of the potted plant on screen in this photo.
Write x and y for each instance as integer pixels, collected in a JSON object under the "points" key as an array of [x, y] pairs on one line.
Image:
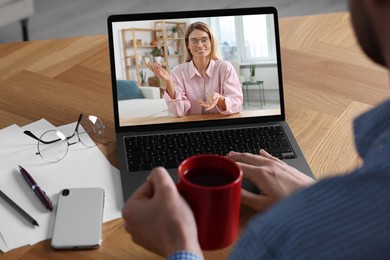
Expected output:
{"points": [[142, 75], [157, 53], [174, 32], [252, 69]]}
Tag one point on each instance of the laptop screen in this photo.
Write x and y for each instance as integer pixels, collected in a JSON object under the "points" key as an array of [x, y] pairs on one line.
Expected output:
{"points": [[162, 73]]}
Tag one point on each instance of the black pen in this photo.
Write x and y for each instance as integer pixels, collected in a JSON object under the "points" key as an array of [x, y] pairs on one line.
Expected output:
{"points": [[18, 209], [34, 186]]}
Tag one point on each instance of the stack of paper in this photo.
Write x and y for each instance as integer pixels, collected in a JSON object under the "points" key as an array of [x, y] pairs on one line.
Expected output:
{"points": [[81, 167]]}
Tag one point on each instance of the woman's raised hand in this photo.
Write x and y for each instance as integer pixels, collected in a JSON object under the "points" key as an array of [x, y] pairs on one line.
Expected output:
{"points": [[159, 71]]}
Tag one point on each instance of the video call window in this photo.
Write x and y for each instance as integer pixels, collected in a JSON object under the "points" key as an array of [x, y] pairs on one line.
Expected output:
{"points": [[250, 49]]}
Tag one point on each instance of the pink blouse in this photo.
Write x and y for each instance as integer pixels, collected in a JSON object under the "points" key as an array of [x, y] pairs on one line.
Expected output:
{"points": [[190, 86]]}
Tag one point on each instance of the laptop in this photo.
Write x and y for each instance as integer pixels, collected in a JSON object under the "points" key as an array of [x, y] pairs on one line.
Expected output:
{"points": [[150, 134]]}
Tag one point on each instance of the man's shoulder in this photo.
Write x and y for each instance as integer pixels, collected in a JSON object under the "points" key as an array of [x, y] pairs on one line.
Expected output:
{"points": [[355, 189], [346, 211]]}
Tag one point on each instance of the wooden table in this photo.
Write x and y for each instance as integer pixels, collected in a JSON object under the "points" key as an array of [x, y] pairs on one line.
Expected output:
{"points": [[328, 81]]}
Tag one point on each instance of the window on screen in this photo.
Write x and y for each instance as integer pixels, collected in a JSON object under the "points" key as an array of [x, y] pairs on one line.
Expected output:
{"points": [[239, 41]]}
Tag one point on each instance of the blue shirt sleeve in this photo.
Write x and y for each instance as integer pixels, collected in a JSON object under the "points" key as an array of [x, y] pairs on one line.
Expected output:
{"points": [[184, 255], [343, 217]]}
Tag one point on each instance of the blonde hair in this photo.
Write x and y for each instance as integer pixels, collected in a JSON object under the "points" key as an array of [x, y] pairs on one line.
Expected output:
{"points": [[203, 27]]}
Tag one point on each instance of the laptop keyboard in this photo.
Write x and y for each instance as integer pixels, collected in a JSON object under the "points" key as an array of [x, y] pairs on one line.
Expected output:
{"points": [[168, 150]]}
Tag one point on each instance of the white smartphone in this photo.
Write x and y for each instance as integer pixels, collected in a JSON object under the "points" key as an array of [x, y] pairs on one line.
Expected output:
{"points": [[79, 219]]}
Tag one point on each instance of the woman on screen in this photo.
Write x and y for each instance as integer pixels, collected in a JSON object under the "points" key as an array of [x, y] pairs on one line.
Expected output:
{"points": [[204, 83]]}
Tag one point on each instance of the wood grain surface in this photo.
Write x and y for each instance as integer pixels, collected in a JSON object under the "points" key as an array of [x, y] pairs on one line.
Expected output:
{"points": [[328, 81]]}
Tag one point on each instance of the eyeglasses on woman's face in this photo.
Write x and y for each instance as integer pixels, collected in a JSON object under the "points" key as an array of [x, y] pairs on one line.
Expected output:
{"points": [[194, 41]]}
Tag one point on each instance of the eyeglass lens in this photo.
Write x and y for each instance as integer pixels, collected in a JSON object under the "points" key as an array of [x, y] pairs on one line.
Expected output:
{"points": [[53, 151], [203, 40], [91, 130], [53, 145]]}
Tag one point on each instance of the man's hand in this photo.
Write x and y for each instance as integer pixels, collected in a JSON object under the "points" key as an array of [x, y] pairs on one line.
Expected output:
{"points": [[159, 219], [274, 178]]}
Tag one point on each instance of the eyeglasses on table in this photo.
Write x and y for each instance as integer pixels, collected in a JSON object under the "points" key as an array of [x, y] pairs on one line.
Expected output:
{"points": [[53, 145]]}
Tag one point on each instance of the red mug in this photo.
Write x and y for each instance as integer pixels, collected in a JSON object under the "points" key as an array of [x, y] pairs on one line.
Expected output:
{"points": [[211, 185]]}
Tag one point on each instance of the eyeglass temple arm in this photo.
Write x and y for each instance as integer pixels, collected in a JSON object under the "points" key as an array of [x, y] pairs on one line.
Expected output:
{"points": [[27, 132], [78, 122]]}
